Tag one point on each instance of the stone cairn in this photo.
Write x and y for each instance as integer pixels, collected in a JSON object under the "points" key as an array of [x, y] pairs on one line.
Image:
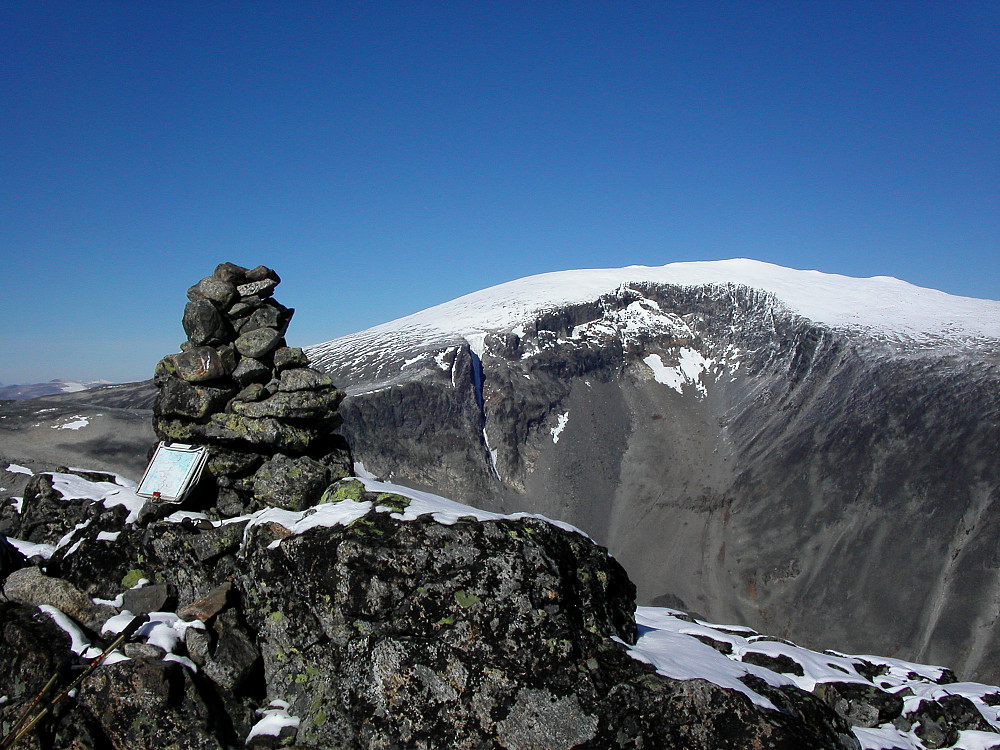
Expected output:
{"points": [[265, 415]]}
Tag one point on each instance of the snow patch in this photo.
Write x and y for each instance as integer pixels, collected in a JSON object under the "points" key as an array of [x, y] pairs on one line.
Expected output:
{"points": [[73, 487], [691, 365], [561, 421], [16, 469], [32, 549], [274, 718], [78, 422]]}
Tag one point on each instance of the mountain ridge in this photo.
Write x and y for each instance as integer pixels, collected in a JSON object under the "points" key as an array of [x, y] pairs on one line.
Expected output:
{"points": [[734, 454], [879, 304]]}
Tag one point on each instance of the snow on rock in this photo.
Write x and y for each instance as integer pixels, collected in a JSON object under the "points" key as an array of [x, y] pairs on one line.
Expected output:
{"points": [[32, 549], [880, 306], [73, 487], [16, 469], [678, 647], [273, 720], [447, 511], [561, 422]]}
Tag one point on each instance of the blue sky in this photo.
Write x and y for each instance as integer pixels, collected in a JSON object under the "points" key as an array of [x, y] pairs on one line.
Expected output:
{"points": [[385, 157]]}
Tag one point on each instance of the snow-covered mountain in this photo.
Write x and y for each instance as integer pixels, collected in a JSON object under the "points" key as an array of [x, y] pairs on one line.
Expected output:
{"points": [[806, 453]]}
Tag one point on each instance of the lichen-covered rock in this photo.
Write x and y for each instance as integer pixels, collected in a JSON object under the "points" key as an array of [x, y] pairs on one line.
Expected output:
{"points": [[258, 342], [290, 483], [45, 515], [151, 703], [304, 379], [289, 356], [389, 633], [249, 371], [181, 398], [300, 405], [220, 292], [203, 323]]}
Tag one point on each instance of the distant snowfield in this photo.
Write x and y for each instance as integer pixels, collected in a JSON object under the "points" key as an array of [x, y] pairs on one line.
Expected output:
{"points": [[878, 305]]}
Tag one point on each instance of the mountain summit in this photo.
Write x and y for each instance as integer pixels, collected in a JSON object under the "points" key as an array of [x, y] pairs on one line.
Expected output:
{"points": [[799, 451]]}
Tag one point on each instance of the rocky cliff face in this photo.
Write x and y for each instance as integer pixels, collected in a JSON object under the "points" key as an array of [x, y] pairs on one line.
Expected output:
{"points": [[834, 483]]}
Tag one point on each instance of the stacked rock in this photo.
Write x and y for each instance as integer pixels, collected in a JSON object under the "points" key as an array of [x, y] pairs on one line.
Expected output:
{"points": [[266, 416]]}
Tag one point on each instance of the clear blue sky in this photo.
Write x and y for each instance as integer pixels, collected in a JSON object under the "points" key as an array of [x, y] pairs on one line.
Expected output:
{"points": [[385, 157]]}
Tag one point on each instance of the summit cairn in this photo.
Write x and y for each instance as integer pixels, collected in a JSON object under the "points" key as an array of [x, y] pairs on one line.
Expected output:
{"points": [[265, 415]]}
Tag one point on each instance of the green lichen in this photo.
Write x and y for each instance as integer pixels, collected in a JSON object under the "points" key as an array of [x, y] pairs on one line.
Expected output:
{"points": [[397, 503], [365, 525], [276, 616], [349, 490], [132, 578], [464, 599], [446, 621]]}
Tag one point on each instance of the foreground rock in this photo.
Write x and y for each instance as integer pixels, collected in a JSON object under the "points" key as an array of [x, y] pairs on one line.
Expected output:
{"points": [[372, 620]]}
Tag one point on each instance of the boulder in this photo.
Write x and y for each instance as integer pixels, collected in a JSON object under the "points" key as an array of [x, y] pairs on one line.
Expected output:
{"points": [[199, 364], [30, 586], [203, 323], [480, 634], [304, 379], [258, 343], [290, 483]]}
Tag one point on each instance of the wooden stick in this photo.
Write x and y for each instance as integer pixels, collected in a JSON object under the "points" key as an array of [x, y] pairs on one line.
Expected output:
{"points": [[137, 622]]}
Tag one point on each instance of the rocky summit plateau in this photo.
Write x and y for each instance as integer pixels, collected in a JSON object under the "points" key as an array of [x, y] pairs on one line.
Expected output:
{"points": [[733, 443]]}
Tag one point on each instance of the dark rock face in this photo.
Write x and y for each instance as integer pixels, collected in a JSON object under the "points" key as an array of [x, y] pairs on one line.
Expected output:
{"points": [[237, 388], [840, 484], [481, 634], [380, 633]]}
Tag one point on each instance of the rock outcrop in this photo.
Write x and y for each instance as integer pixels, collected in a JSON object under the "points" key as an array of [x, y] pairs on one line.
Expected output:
{"points": [[266, 415], [366, 621]]}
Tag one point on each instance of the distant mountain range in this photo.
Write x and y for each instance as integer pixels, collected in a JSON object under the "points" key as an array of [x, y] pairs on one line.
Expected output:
{"points": [[33, 390], [805, 453]]}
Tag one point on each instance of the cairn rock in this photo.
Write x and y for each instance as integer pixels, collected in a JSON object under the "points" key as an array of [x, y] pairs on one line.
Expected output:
{"points": [[203, 323], [238, 389], [251, 370], [290, 483], [199, 364], [258, 343], [304, 379], [217, 291], [288, 357]]}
